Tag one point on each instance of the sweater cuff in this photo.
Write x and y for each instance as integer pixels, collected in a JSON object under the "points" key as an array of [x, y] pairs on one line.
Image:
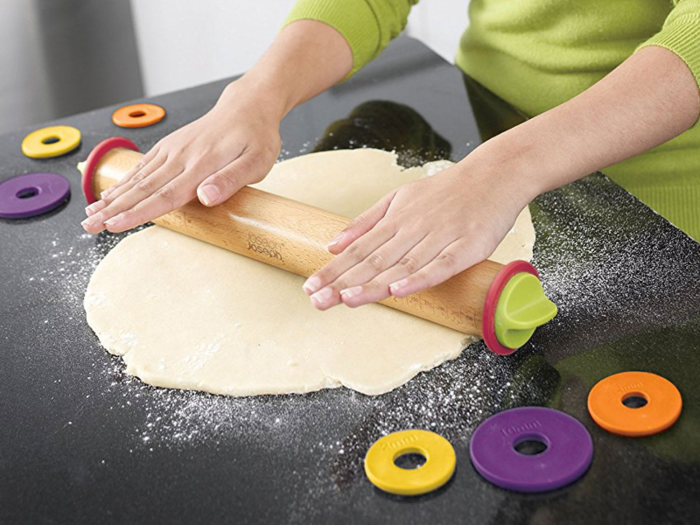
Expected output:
{"points": [[354, 19], [681, 36]]}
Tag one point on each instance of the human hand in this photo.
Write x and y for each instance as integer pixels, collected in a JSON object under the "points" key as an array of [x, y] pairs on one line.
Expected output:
{"points": [[233, 145], [418, 236]]}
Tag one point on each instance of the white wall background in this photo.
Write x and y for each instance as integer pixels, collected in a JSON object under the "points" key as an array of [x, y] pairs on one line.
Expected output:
{"points": [[23, 72], [53, 55], [188, 42], [439, 24]]}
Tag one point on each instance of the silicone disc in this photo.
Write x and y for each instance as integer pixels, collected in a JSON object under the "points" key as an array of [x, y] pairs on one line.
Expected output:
{"points": [[567, 449], [32, 194], [661, 408], [52, 141], [138, 115], [382, 471]]}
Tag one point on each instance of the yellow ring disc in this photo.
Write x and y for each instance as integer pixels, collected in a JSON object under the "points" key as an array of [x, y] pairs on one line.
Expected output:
{"points": [[52, 141], [440, 461]]}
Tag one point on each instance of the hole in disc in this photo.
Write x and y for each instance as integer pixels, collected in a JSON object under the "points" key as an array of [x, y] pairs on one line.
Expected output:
{"points": [[410, 461], [634, 400], [530, 446], [50, 140], [27, 193], [137, 114]]}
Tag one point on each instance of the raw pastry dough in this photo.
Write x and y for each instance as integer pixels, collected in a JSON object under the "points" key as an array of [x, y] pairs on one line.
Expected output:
{"points": [[186, 314]]}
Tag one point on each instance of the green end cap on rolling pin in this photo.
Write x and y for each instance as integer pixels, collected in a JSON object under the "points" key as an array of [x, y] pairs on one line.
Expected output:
{"points": [[521, 308]]}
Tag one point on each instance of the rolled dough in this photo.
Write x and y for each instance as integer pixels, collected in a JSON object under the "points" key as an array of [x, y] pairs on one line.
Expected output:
{"points": [[186, 314]]}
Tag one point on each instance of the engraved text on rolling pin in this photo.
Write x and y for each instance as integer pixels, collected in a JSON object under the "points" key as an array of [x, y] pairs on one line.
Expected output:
{"points": [[263, 246]]}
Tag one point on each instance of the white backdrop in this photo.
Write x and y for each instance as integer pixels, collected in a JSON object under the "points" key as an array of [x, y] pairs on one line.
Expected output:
{"points": [[24, 68], [184, 42]]}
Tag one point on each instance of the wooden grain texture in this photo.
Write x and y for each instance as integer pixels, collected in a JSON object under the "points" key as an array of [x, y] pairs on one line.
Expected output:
{"points": [[293, 236]]}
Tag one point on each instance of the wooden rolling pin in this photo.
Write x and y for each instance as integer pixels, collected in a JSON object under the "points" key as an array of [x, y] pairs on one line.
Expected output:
{"points": [[293, 236]]}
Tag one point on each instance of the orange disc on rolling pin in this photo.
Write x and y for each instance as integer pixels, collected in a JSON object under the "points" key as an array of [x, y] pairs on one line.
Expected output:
{"points": [[635, 404], [138, 115]]}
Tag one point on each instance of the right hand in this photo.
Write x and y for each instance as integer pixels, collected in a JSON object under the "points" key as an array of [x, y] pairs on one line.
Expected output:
{"points": [[235, 144]]}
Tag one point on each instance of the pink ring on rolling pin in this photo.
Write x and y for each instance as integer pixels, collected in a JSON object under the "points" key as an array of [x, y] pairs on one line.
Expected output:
{"points": [[488, 318], [94, 157]]}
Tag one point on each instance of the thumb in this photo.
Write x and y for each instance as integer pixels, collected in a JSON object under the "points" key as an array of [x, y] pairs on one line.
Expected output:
{"points": [[361, 225], [223, 184]]}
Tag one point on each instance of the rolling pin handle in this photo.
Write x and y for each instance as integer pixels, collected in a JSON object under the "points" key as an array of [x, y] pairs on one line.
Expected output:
{"points": [[515, 306], [87, 168]]}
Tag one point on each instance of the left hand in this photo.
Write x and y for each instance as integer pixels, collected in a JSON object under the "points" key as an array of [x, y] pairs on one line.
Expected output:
{"points": [[418, 236]]}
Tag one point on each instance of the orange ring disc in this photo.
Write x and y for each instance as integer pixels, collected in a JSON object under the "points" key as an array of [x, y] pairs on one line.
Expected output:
{"points": [[138, 115], [662, 409]]}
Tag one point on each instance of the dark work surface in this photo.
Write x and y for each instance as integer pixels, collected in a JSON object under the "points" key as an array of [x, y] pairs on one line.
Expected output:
{"points": [[82, 443]]}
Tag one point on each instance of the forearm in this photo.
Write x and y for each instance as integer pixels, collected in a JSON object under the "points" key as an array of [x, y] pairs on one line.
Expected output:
{"points": [[305, 59], [649, 99]]}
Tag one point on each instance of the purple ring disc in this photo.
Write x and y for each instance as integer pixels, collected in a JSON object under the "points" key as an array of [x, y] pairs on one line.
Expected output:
{"points": [[567, 457], [32, 194]]}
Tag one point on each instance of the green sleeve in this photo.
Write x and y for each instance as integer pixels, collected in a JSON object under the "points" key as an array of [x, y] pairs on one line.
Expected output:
{"points": [[681, 34], [367, 25]]}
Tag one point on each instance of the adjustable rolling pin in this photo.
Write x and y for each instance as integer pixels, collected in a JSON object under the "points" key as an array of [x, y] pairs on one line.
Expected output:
{"points": [[502, 304]]}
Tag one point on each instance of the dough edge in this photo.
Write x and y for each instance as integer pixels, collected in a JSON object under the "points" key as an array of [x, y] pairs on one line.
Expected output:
{"points": [[115, 347]]}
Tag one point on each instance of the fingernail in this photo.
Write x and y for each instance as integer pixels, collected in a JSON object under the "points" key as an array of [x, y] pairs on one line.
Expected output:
{"points": [[107, 192], [115, 221], [398, 285], [208, 194], [322, 296], [94, 208], [312, 284], [336, 240], [91, 222], [351, 292]]}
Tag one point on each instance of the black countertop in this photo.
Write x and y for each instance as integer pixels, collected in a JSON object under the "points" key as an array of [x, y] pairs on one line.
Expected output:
{"points": [[81, 442]]}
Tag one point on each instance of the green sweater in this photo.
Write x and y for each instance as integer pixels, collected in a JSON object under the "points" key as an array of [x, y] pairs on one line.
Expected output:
{"points": [[536, 54]]}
